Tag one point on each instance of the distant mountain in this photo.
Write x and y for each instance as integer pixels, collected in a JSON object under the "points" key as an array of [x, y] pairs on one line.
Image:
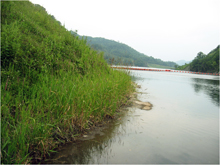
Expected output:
{"points": [[182, 62], [204, 63], [119, 53]]}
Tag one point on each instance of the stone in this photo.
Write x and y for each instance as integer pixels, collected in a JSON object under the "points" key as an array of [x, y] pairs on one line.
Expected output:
{"points": [[146, 108], [143, 105]]}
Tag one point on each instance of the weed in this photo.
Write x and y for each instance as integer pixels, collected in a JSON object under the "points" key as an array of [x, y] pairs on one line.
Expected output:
{"points": [[53, 85]]}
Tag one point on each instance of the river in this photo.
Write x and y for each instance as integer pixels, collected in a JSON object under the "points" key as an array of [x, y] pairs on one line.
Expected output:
{"points": [[182, 126]]}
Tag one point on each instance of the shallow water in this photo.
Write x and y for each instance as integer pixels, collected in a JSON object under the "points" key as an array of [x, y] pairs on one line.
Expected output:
{"points": [[182, 127]]}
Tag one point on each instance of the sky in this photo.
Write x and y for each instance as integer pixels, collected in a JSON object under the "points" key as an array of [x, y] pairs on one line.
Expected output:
{"points": [[170, 30]]}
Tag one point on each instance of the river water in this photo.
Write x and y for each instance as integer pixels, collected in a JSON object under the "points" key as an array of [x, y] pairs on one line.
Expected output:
{"points": [[182, 127]]}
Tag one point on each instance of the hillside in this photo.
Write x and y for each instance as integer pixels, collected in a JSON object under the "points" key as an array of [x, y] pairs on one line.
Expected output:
{"points": [[182, 62], [53, 85], [204, 63], [119, 53]]}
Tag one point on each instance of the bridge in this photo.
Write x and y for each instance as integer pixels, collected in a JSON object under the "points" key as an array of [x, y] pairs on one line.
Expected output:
{"points": [[162, 70]]}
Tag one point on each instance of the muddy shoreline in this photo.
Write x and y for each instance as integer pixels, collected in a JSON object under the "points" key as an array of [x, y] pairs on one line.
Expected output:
{"points": [[90, 132]]}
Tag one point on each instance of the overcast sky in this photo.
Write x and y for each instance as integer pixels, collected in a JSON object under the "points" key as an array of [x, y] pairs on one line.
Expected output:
{"points": [[171, 30]]}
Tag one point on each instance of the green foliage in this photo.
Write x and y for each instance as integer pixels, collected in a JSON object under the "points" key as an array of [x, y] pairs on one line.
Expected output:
{"points": [[204, 63], [123, 54], [182, 67], [53, 85]]}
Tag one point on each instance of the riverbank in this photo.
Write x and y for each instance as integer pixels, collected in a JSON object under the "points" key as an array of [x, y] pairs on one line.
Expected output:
{"points": [[143, 137], [91, 132], [91, 127], [53, 85], [58, 112]]}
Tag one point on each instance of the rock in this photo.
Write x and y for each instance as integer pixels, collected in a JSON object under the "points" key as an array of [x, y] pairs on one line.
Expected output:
{"points": [[143, 105], [137, 103], [147, 108]]}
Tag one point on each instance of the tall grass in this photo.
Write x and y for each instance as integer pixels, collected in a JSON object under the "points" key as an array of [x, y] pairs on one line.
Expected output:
{"points": [[57, 109], [53, 85]]}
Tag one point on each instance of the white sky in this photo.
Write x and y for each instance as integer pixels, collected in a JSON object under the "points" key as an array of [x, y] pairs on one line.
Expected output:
{"points": [[166, 29]]}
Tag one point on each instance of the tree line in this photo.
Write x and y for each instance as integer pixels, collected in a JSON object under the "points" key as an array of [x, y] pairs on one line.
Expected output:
{"points": [[204, 63]]}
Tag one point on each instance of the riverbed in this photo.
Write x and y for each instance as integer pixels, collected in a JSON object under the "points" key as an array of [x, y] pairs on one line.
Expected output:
{"points": [[182, 126]]}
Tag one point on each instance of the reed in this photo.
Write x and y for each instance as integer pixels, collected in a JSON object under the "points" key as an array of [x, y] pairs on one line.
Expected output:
{"points": [[53, 85], [57, 109]]}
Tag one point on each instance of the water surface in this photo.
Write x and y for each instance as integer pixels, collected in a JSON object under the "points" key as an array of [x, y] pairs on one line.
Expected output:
{"points": [[182, 127]]}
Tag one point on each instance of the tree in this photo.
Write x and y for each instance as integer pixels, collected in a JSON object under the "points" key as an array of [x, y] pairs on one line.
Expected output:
{"points": [[200, 55], [176, 66]]}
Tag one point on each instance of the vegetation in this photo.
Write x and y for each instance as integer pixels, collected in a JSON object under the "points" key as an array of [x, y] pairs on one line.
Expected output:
{"points": [[204, 63], [122, 53], [53, 85], [182, 62], [182, 67]]}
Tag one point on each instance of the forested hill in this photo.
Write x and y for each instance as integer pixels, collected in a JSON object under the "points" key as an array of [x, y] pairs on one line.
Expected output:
{"points": [[204, 63], [123, 54]]}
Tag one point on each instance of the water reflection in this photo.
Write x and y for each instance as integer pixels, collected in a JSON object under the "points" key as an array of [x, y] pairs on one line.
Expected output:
{"points": [[209, 87], [93, 146], [182, 127]]}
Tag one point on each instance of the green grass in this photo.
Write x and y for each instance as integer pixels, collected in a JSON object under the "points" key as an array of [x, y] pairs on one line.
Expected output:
{"points": [[53, 85], [57, 108]]}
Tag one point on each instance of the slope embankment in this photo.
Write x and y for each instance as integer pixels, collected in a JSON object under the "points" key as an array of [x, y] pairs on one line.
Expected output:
{"points": [[53, 85]]}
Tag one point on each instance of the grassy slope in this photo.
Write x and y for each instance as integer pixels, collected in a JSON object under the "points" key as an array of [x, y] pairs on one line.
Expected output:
{"points": [[53, 85]]}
